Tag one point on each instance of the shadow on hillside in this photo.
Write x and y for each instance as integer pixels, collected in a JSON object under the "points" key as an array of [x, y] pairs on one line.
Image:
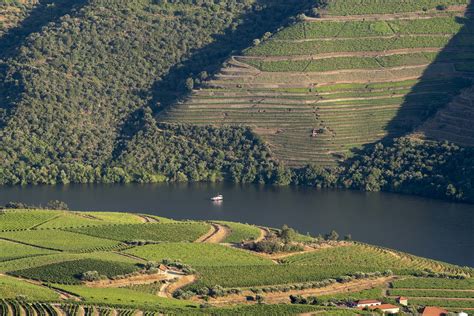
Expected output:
{"points": [[275, 14], [172, 87], [437, 86], [48, 11]]}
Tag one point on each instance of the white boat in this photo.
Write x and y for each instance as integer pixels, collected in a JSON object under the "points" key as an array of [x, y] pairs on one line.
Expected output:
{"points": [[218, 197]]}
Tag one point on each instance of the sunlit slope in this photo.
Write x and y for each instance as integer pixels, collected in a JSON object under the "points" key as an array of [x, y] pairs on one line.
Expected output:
{"points": [[12, 13], [363, 71]]}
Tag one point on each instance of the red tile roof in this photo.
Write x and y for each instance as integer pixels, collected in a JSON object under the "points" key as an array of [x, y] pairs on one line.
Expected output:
{"points": [[434, 311], [384, 307]]}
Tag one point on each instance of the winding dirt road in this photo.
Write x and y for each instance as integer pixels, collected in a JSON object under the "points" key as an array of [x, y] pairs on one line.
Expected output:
{"points": [[215, 235]]}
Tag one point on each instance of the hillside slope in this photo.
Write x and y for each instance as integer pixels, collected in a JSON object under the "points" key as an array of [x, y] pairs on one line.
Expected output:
{"points": [[359, 73], [76, 76]]}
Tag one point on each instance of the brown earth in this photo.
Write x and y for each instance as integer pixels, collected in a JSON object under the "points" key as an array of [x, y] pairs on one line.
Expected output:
{"points": [[215, 235], [147, 219], [168, 289], [394, 16], [283, 297], [132, 280], [340, 54]]}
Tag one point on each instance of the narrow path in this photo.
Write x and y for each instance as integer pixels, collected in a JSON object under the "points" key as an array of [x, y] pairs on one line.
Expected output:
{"points": [[132, 280], [124, 254], [27, 244], [147, 219], [283, 297], [402, 51], [168, 289], [62, 295], [264, 233], [390, 16], [215, 235]]}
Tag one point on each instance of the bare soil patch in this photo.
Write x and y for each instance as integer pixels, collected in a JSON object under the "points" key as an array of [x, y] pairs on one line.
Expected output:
{"points": [[283, 297], [215, 235], [132, 280], [168, 289]]}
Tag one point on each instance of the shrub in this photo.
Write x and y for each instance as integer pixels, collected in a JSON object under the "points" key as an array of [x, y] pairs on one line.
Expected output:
{"points": [[90, 276]]}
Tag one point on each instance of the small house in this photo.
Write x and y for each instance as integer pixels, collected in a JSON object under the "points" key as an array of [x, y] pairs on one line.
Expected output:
{"points": [[163, 268], [434, 311], [386, 308], [368, 303], [402, 300]]}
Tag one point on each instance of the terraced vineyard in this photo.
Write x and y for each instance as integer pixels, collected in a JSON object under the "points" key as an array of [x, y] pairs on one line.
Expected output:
{"points": [[120, 266], [362, 72]]}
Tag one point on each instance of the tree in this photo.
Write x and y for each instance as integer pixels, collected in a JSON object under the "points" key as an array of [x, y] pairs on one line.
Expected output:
{"points": [[90, 276], [287, 233], [189, 84], [57, 205], [332, 236]]}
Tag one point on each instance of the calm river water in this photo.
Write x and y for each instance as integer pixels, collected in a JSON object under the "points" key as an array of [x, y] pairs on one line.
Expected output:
{"points": [[425, 227]]}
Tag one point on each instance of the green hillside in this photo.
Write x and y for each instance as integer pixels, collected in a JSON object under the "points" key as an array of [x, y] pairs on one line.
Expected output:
{"points": [[174, 270], [355, 94], [358, 73]]}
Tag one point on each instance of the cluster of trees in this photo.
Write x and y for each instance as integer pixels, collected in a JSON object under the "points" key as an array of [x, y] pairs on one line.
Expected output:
{"points": [[82, 81], [51, 205], [71, 92], [433, 169], [284, 240]]}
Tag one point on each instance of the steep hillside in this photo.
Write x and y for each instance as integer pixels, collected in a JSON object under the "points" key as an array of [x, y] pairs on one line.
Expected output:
{"points": [[98, 263], [357, 73], [13, 13], [299, 100], [76, 76]]}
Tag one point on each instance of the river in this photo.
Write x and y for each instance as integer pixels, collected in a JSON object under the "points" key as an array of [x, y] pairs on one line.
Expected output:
{"points": [[425, 227]]}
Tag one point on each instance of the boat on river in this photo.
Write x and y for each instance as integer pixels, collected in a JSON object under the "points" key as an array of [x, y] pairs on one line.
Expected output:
{"points": [[217, 198]]}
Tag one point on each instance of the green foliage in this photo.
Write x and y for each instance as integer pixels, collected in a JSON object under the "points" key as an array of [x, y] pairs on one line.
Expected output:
{"points": [[441, 302], [199, 254], [173, 232], [12, 250], [339, 63], [277, 48], [354, 7], [107, 64], [432, 293], [123, 297], [74, 219], [207, 154], [23, 219], [60, 240], [436, 169], [11, 288], [262, 275], [434, 283], [327, 29], [240, 232], [375, 293], [354, 255], [32, 262], [70, 272]]}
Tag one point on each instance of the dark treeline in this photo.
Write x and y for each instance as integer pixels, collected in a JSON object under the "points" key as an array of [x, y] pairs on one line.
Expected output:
{"points": [[80, 73], [77, 84]]}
